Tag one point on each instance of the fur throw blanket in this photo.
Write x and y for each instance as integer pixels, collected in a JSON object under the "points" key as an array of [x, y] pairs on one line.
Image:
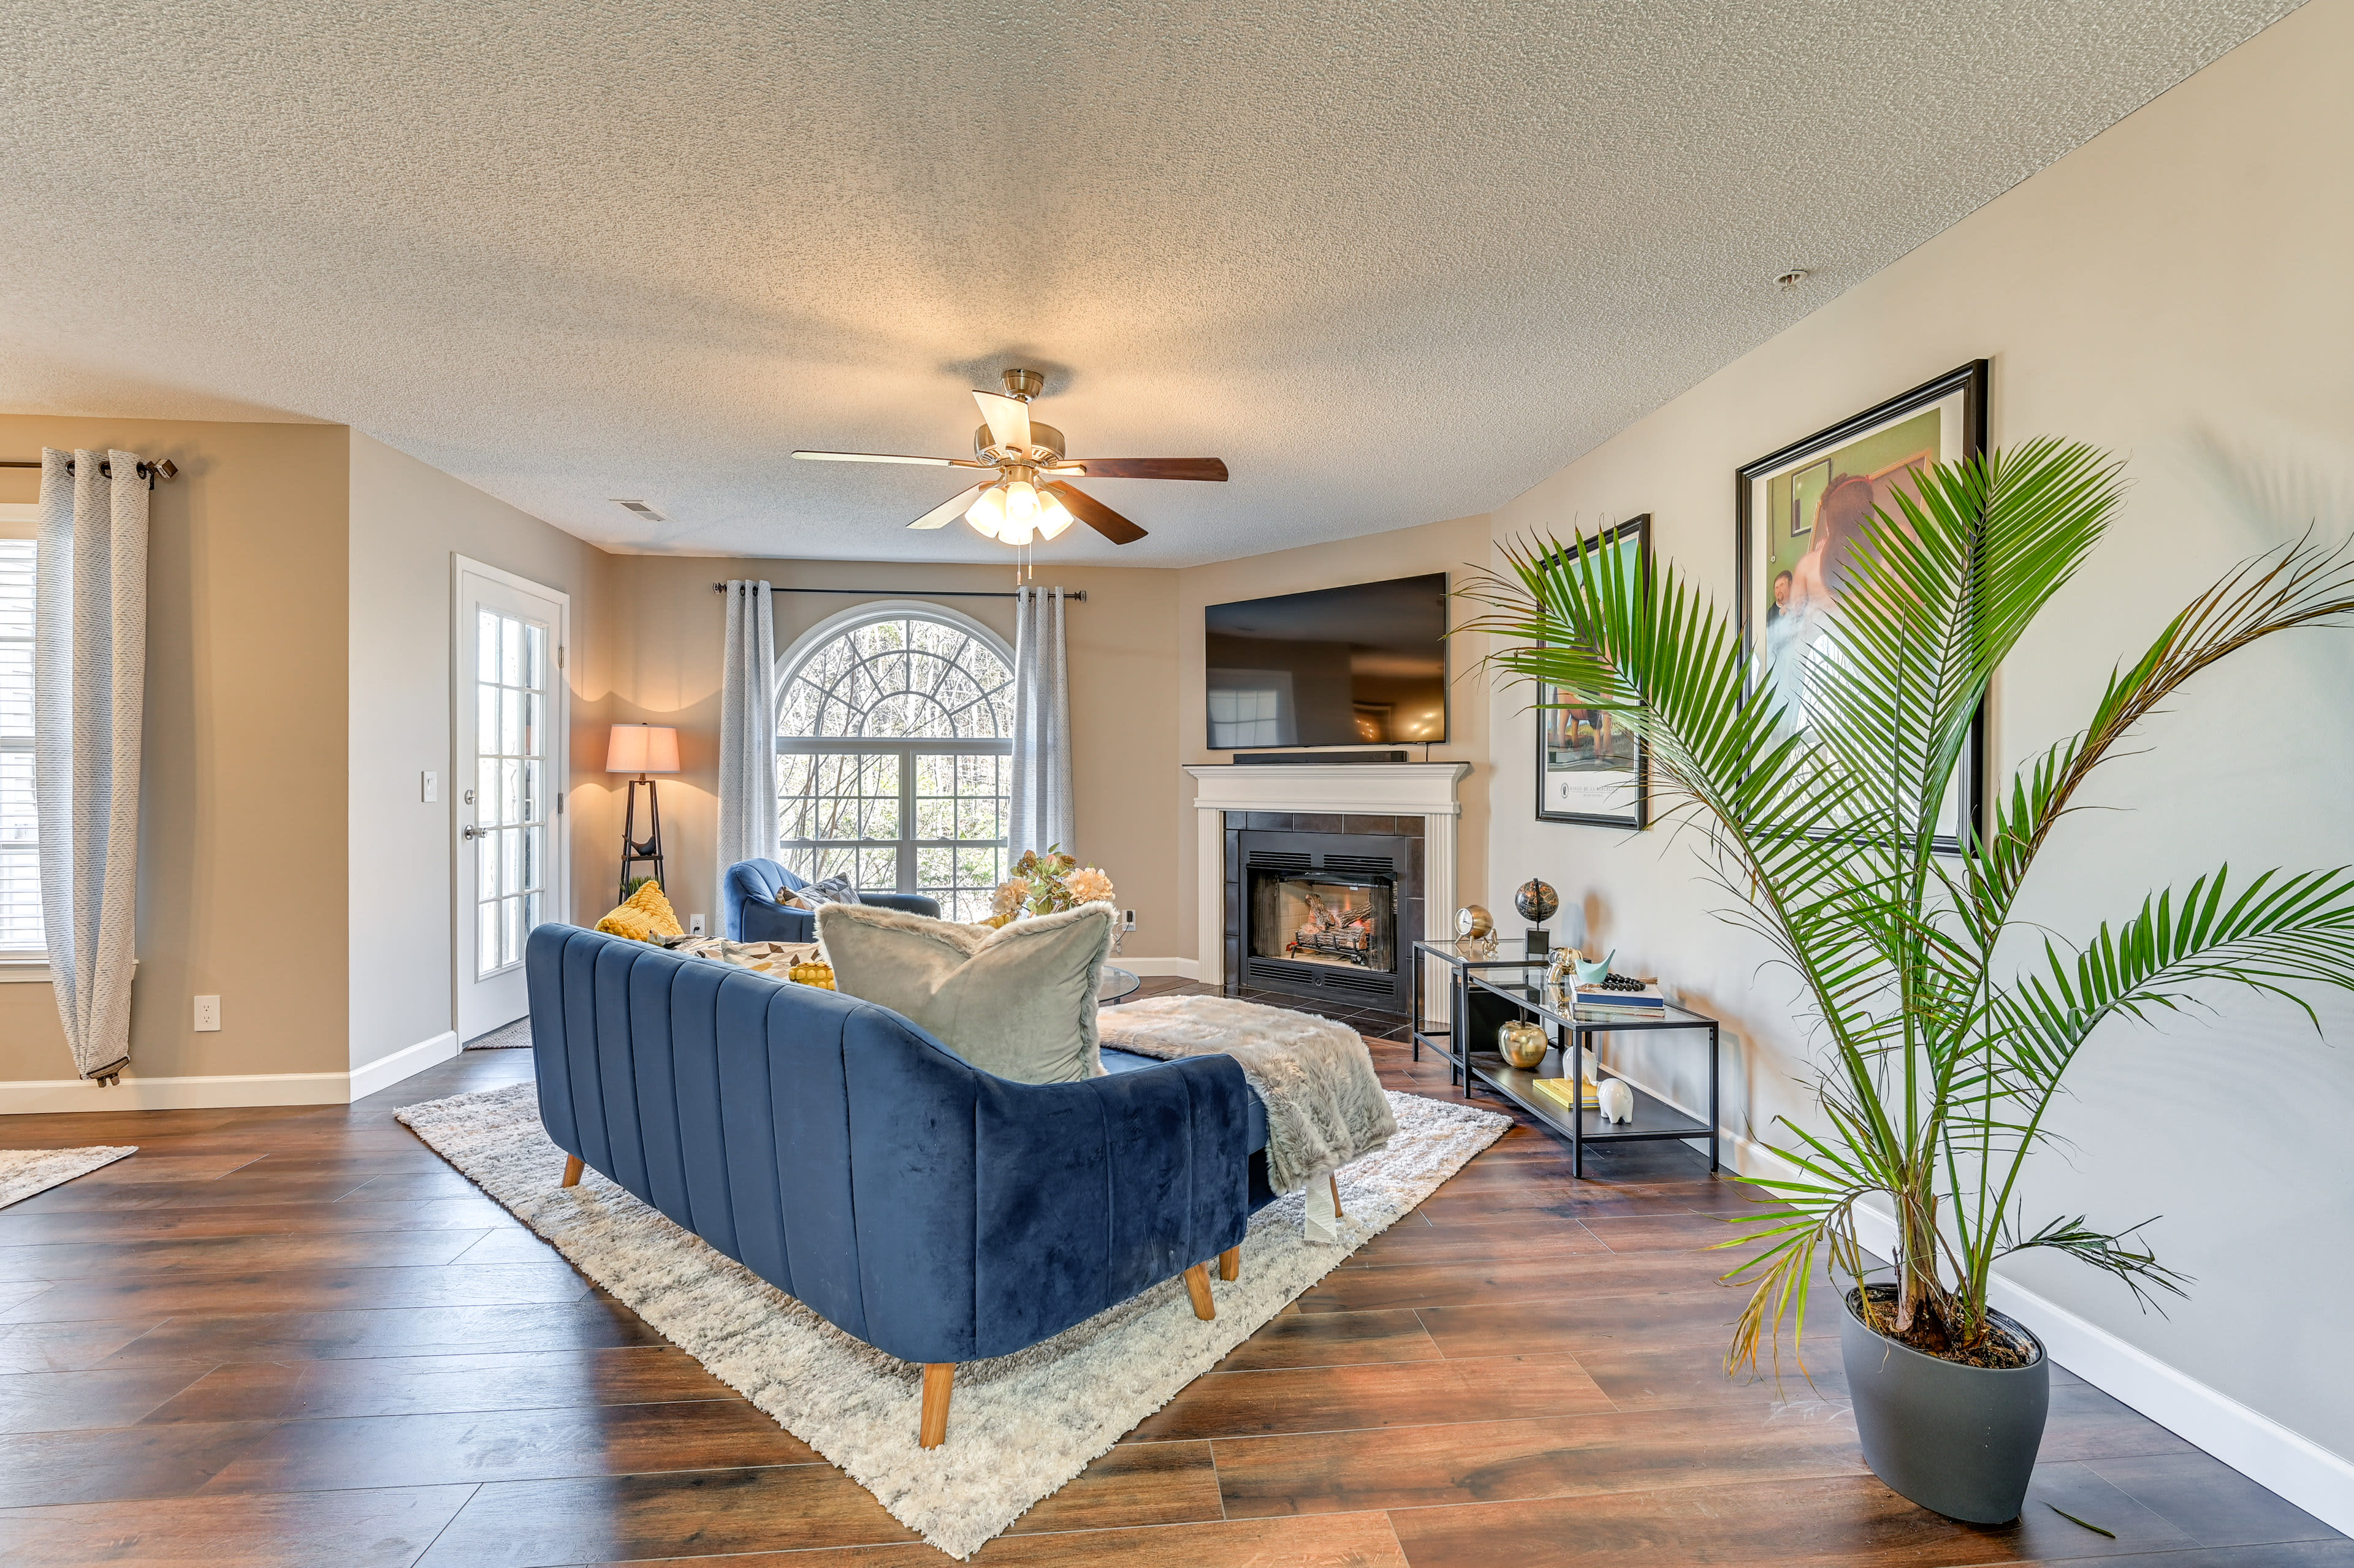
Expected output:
{"points": [[1324, 1103]]}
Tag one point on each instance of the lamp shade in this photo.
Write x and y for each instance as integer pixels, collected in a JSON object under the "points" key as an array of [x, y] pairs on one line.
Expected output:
{"points": [[642, 749]]}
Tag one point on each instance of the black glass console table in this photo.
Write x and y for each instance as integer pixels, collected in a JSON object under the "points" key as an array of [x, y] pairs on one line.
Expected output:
{"points": [[1492, 984]]}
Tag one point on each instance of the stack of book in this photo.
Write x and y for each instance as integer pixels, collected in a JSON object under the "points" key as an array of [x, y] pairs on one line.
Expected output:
{"points": [[1620, 1000], [1558, 1092]]}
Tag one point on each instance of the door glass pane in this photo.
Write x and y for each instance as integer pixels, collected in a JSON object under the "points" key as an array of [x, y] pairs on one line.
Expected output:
{"points": [[512, 738]]}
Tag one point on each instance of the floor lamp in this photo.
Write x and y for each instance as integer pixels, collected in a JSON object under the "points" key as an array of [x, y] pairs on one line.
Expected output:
{"points": [[642, 749]]}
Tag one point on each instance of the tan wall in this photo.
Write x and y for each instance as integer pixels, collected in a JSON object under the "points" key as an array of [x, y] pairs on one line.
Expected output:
{"points": [[663, 660], [2174, 291], [242, 838], [1449, 546], [407, 523]]}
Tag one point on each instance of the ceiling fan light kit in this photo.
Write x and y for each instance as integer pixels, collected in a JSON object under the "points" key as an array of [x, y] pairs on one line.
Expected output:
{"points": [[1029, 498]]}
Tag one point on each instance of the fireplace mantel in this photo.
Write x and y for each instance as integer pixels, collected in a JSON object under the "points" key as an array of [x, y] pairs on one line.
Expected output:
{"points": [[1424, 789]]}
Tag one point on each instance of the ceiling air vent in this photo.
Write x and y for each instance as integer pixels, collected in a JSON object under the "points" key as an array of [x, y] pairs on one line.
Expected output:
{"points": [[642, 509]]}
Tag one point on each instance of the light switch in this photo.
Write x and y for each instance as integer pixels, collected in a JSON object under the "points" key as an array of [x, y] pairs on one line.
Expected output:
{"points": [[428, 786]]}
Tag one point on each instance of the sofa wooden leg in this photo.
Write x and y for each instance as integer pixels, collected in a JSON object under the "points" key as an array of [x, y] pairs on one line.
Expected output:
{"points": [[1230, 1264], [1335, 1179], [940, 1381], [572, 1169], [1197, 1285]]}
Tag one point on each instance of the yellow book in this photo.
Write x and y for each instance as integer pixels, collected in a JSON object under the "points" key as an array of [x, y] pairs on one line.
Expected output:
{"points": [[1558, 1091]]}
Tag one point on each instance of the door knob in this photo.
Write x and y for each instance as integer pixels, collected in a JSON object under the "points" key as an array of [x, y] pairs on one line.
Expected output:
{"points": [[473, 832]]}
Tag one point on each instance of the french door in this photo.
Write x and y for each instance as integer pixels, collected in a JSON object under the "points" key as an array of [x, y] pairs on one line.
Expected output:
{"points": [[509, 701]]}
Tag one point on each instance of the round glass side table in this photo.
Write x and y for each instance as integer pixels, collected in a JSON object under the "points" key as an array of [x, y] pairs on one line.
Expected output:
{"points": [[1112, 984]]}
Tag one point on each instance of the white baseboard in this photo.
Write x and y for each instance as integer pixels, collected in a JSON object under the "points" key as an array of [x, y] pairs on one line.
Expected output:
{"points": [[405, 1063], [1182, 968], [2313, 1478], [43, 1096]]}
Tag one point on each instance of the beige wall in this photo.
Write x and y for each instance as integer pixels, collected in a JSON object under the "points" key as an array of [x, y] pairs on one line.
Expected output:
{"points": [[242, 777], [1451, 547], [2174, 291], [407, 523], [662, 661]]}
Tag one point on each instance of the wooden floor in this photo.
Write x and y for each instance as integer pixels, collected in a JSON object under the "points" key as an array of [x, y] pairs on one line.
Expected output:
{"points": [[296, 1337]]}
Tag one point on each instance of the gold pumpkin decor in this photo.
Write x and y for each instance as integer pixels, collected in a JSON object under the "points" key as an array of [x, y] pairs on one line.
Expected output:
{"points": [[1523, 1044]]}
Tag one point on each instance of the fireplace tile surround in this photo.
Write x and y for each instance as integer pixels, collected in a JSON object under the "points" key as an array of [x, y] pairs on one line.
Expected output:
{"points": [[1416, 803]]}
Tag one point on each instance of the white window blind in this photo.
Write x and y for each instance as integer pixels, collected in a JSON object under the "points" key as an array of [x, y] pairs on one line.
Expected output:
{"points": [[20, 868]]}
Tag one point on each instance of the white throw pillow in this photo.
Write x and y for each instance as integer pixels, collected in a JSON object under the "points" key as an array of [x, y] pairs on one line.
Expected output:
{"points": [[1019, 1002]]}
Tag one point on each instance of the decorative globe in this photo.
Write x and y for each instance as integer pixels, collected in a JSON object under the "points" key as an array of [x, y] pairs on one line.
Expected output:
{"points": [[1472, 920], [1536, 902]]}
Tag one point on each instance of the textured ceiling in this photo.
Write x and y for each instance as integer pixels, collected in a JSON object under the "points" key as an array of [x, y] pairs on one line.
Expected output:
{"points": [[1393, 263]]}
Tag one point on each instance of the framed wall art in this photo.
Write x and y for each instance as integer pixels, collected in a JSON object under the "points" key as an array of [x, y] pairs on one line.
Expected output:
{"points": [[1798, 511], [1591, 768]]}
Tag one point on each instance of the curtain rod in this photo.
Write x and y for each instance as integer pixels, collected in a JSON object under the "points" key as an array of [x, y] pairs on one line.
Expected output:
{"points": [[150, 471], [1068, 594]]}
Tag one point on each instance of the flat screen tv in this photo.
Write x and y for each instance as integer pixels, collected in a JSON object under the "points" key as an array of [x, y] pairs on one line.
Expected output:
{"points": [[1342, 666]]}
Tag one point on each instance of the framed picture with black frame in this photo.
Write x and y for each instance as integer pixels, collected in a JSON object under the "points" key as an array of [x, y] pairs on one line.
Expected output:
{"points": [[1590, 767], [1797, 514]]}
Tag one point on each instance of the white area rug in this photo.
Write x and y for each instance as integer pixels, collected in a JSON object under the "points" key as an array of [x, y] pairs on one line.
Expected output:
{"points": [[1020, 1426], [24, 1171]]}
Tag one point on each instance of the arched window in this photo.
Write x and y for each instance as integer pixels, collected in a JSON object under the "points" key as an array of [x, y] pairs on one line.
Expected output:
{"points": [[894, 724]]}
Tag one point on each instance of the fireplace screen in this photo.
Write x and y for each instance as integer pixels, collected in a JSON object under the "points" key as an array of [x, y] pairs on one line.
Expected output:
{"points": [[1314, 919]]}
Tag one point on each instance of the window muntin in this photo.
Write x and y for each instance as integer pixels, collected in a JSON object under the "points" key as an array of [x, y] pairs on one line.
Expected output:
{"points": [[21, 932], [894, 739]]}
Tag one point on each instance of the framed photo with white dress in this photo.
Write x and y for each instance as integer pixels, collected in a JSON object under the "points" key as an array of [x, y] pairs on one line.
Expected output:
{"points": [[1590, 767], [1799, 511]]}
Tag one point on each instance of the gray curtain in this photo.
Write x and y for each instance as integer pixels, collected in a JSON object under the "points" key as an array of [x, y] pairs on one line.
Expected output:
{"points": [[1042, 724], [747, 728], [90, 679]]}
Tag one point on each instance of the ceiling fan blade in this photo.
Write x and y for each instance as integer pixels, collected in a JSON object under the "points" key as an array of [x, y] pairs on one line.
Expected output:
{"points": [[948, 511], [877, 457], [1096, 514], [1009, 421], [1150, 468]]}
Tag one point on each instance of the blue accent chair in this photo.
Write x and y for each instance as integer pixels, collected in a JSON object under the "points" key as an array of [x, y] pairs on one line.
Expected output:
{"points": [[750, 911], [935, 1211]]}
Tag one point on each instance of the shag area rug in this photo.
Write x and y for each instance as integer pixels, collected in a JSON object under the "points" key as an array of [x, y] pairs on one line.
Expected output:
{"points": [[24, 1171], [1021, 1426]]}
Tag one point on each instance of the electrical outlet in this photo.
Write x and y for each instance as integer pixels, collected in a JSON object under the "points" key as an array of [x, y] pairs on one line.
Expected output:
{"points": [[1128, 919], [428, 787], [695, 925], [207, 1014]]}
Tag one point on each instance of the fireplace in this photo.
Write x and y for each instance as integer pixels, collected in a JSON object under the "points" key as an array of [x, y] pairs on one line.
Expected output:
{"points": [[1322, 915]]}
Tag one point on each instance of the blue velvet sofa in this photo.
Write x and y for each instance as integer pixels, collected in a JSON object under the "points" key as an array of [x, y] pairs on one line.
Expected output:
{"points": [[750, 911], [937, 1212]]}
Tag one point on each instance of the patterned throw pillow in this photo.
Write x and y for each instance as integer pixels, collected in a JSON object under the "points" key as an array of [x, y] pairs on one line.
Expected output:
{"points": [[832, 890]]}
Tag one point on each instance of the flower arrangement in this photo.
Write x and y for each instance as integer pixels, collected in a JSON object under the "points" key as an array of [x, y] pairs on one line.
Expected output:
{"points": [[1041, 884]]}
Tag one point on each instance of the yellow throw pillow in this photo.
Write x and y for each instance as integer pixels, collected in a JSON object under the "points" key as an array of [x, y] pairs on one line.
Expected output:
{"points": [[649, 900], [628, 922]]}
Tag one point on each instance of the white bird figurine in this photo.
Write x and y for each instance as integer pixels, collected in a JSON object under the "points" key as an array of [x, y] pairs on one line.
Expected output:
{"points": [[1616, 1101]]}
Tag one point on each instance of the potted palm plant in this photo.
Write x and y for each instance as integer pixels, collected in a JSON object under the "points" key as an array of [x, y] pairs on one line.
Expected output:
{"points": [[1941, 1049]]}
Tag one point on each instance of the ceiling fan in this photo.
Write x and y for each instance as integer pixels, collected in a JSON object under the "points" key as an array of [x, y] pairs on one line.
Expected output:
{"points": [[1031, 496]]}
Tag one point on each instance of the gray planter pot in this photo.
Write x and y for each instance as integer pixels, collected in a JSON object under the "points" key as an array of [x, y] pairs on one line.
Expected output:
{"points": [[1960, 1440]]}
